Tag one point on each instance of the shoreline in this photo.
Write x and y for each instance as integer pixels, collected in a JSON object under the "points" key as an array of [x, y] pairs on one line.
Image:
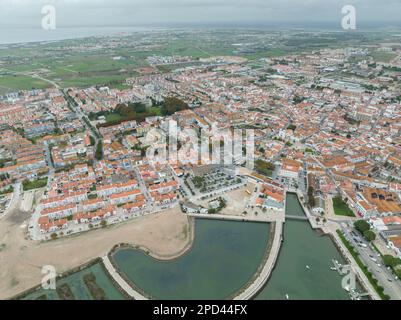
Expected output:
{"points": [[93, 261], [156, 256]]}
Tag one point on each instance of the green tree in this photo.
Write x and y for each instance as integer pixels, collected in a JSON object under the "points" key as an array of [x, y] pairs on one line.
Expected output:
{"points": [[292, 127], [171, 105], [390, 261], [92, 140], [99, 150], [369, 235], [361, 226], [311, 197]]}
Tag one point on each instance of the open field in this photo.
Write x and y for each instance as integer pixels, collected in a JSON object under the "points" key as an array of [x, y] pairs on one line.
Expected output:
{"points": [[13, 83], [383, 56], [100, 61]]}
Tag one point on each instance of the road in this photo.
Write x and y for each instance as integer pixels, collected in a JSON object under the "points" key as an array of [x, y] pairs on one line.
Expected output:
{"points": [[15, 200], [381, 273], [49, 159]]}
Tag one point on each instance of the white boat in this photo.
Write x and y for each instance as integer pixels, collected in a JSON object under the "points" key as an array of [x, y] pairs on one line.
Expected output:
{"points": [[287, 296], [333, 268], [307, 267]]}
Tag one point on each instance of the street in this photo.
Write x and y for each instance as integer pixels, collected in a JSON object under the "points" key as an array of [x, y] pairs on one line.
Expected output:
{"points": [[375, 265]]}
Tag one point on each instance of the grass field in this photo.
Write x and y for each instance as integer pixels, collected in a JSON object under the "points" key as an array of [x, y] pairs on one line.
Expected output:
{"points": [[341, 208], [11, 83], [113, 117], [264, 168], [382, 56], [155, 110], [36, 184]]}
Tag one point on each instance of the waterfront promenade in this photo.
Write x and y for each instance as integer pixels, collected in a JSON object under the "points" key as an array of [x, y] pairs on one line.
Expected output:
{"points": [[267, 268], [120, 281], [248, 218], [330, 228]]}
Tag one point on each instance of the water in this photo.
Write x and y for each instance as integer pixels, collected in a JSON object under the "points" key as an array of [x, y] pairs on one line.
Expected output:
{"points": [[23, 35], [78, 287], [293, 206], [304, 247], [224, 256]]}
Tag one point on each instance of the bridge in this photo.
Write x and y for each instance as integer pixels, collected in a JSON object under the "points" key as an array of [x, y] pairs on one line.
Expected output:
{"points": [[300, 218]]}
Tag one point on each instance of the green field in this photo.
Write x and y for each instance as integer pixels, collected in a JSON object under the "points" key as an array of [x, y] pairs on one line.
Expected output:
{"points": [[382, 56], [113, 117], [12, 83], [341, 208], [36, 184], [88, 62], [264, 167]]}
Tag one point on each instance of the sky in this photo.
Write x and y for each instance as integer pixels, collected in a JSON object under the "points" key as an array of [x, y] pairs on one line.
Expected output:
{"points": [[71, 13]]}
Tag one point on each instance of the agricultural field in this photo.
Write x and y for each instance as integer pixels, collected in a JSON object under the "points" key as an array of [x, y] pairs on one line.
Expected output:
{"points": [[383, 56], [12, 83]]}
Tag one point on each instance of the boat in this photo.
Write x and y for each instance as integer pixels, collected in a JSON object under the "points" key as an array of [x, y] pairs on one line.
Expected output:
{"points": [[307, 267], [287, 296], [333, 268]]}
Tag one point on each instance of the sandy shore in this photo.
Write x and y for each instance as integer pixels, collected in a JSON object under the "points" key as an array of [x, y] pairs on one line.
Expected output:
{"points": [[165, 235]]}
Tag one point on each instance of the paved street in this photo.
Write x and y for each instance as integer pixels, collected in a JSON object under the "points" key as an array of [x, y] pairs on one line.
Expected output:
{"points": [[375, 264]]}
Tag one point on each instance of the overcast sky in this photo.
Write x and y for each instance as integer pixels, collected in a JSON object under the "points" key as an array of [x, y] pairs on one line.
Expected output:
{"points": [[23, 13]]}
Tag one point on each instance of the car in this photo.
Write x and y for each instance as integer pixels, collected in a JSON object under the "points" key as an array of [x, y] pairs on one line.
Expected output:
{"points": [[389, 280], [379, 265]]}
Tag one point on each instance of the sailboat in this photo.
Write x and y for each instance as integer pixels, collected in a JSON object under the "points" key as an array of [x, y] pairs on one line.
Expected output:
{"points": [[287, 296]]}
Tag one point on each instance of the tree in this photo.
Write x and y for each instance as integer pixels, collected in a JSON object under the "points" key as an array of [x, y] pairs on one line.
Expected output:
{"points": [[99, 150], [171, 105], [311, 198], [369, 235], [361, 226], [92, 140], [390, 261], [53, 236], [103, 223], [292, 127]]}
